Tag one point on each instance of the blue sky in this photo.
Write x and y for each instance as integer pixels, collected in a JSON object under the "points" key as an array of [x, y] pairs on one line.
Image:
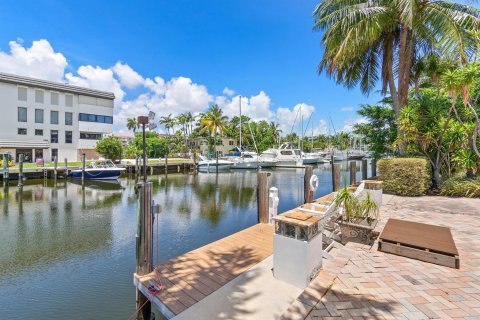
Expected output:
{"points": [[263, 50]]}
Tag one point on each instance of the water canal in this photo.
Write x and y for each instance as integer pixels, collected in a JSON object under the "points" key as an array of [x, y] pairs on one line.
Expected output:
{"points": [[68, 252]]}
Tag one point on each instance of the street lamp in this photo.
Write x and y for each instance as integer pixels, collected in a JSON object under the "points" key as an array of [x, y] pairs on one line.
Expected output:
{"points": [[143, 121]]}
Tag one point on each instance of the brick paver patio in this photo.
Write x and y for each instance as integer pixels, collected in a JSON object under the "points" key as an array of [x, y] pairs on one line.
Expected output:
{"points": [[363, 283]]}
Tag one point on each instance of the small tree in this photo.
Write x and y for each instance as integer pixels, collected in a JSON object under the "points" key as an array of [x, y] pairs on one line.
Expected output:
{"points": [[110, 148]]}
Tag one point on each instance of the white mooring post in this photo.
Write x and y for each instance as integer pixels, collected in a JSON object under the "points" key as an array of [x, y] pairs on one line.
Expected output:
{"points": [[272, 203]]}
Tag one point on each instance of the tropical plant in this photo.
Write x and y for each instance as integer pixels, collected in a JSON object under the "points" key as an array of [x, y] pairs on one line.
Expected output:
{"points": [[379, 131], [354, 210], [132, 124], [460, 186], [110, 147], [213, 122], [366, 41], [168, 122]]}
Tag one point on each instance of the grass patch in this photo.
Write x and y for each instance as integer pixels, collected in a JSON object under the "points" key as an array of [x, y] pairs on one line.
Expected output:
{"points": [[461, 186], [48, 165]]}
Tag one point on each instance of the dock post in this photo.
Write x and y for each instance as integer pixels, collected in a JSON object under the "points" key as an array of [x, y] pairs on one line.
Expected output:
{"points": [[262, 197], [20, 170], [55, 166], [336, 176], [65, 163], [6, 170], [353, 172], [144, 243], [151, 170], [364, 169], [307, 193], [83, 167], [374, 167]]}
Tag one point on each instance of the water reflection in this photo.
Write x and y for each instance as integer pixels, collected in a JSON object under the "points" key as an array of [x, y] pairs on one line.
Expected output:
{"points": [[62, 235]]}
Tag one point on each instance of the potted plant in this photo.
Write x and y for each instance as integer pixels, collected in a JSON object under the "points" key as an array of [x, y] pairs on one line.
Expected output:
{"points": [[357, 218]]}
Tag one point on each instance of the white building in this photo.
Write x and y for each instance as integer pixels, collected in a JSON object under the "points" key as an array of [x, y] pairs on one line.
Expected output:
{"points": [[44, 119]]}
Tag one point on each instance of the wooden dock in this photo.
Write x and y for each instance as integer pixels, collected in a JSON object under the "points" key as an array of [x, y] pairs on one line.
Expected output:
{"points": [[191, 277]]}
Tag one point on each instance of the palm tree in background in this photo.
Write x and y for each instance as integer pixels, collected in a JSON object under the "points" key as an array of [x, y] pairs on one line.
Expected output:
{"points": [[132, 124], [276, 131], [370, 40], [213, 122], [168, 122]]}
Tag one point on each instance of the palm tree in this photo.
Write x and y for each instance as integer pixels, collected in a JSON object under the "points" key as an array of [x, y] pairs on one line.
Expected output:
{"points": [[370, 40], [132, 124], [213, 122], [276, 131], [167, 122]]}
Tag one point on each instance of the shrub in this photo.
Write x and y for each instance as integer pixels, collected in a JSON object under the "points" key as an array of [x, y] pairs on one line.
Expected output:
{"points": [[405, 176], [461, 186]]}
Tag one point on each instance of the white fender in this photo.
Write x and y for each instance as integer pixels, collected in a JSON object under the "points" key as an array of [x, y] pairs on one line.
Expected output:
{"points": [[313, 183]]}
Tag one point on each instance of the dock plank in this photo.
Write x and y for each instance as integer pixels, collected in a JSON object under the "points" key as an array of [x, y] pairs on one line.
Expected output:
{"points": [[191, 277]]}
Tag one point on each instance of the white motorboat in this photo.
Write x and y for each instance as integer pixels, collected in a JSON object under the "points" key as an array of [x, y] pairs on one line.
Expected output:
{"points": [[249, 161], [311, 158], [98, 170], [356, 154], [211, 165], [285, 156]]}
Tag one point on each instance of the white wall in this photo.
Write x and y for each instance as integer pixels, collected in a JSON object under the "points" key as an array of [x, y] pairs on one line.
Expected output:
{"points": [[9, 124]]}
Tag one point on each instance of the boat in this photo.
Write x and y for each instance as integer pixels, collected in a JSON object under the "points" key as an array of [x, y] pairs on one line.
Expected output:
{"points": [[98, 170], [285, 156], [248, 161], [211, 165], [311, 158], [356, 154]]}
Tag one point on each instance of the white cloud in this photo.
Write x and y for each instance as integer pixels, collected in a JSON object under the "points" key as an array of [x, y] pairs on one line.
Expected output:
{"points": [[228, 92], [348, 126], [256, 107], [128, 77], [97, 78], [292, 118], [322, 128], [346, 109], [38, 61]]}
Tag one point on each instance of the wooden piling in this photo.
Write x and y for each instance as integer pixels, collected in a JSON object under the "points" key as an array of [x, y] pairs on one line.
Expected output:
{"points": [[307, 192], [336, 176], [55, 166], [364, 169], [353, 172], [262, 197], [65, 164], [144, 243], [20, 170], [151, 170], [83, 166], [6, 170], [374, 167]]}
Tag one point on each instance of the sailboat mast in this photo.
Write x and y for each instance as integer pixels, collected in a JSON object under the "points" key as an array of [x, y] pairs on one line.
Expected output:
{"points": [[240, 104]]}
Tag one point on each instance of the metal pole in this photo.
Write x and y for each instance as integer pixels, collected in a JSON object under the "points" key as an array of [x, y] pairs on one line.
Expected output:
{"points": [[144, 155]]}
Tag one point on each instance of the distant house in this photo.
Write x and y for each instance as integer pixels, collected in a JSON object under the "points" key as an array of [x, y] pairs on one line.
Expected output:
{"points": [[125, 138], [224, 145]]}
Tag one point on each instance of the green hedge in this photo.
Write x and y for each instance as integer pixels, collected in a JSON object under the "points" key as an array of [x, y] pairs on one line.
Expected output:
{"points": [[461, 186], [405, 176]]}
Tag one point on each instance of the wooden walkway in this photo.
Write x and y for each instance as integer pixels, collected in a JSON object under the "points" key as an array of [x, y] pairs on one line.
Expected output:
{"points": [[191, 277]]}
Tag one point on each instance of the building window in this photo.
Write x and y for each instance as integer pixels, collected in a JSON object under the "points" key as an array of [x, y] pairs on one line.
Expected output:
{"points": [[68, 118], [54, 154], [90, 136], [22, 94], [68, 100], [38, 116], [53, 117], [95, 118], [68, 136], [22, 131], [22, 114], [230, 143], [54, 98], [38, 132], [54, 136], [39, 96]]}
